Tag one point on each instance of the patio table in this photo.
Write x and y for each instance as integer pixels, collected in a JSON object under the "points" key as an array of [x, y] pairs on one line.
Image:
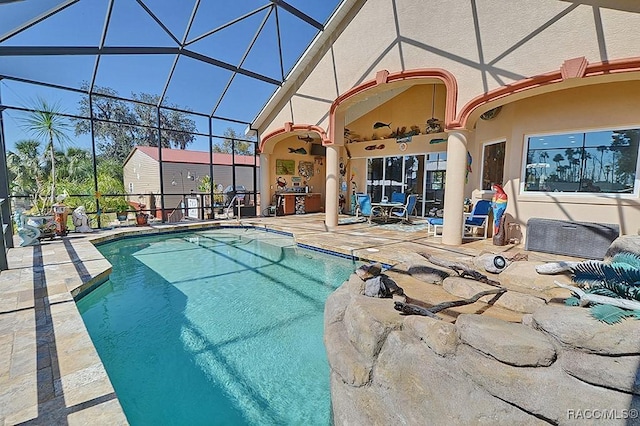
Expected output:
{"points": [[385, 209]]}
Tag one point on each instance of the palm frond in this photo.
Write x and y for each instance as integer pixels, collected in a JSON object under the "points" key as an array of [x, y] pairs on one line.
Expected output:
{"points": [[593, 273], [602, 291], [612, 314], [627, 258]]}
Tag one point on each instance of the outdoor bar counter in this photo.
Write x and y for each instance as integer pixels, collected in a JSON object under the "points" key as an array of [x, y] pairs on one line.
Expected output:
{"points": [[299, 203]]}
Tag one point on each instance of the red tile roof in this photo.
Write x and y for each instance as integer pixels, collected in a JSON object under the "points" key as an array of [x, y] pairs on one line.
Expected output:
{"points": [[194, 157]]}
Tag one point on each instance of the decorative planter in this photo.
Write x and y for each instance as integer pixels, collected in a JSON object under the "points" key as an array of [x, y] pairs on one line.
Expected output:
{"points": [[141, 219]]}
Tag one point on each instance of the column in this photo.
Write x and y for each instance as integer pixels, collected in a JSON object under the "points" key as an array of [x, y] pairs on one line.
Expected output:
{"points": [[265, 182], [454, 189], [331, 194]]}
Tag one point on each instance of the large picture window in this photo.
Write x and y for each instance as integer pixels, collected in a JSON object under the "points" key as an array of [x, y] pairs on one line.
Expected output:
{"points": [[603, 161]]}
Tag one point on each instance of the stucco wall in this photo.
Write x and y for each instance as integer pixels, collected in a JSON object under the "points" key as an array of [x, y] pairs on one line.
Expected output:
{"points": [[605, 106], [470, 40], [281, 152]]}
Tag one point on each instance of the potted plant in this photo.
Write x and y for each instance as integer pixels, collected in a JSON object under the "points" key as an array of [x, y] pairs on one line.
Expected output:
{"points": [[121, 207], [141, 217]]}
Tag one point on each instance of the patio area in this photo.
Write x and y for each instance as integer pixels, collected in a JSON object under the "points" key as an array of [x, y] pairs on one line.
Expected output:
{"points": [[50, 372]]}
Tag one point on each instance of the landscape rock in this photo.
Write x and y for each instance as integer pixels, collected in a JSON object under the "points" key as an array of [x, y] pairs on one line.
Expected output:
{"points": [[428, 274], [519, 302], [513, 344], [368, 271], [353, 368], [628, 243], [574, 326], [367, 323], [546, 392], [433, 389], [440, 336], [620, 372], [523, 274]]}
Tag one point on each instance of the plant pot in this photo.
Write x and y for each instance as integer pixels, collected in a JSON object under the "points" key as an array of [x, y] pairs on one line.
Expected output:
{"points": [[122, 216], [141, 219]]}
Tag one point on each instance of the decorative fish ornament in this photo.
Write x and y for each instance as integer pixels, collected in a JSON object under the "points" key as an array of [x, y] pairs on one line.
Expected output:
{"points": [[307, 138], [372, 147], [380, 124], [297, 151]]}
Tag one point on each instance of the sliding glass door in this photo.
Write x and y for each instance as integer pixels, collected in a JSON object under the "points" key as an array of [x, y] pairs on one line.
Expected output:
{"points": [[423, 175]]}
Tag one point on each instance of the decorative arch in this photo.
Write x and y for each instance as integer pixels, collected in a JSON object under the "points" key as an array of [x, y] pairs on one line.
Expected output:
{"points": [[383, 77], [576, 68], [290, 129]]}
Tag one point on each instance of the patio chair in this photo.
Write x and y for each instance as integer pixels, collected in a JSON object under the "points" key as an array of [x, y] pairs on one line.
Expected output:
{"points": [[405, 211], [363, 205], [478, 218], [398, 197]]}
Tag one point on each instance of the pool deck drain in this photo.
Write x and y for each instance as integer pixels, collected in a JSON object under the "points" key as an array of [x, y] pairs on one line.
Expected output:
{"points": [[50, 372]]}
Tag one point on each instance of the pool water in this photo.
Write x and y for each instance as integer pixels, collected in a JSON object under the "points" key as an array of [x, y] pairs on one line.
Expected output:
{"points": [[220, 327]]}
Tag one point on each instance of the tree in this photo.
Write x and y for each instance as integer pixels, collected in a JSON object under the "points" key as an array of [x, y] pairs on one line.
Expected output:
{"points": [[177, 129], [601, 149], [232, 144], [118, 127], [25, 170], [625, 144], [114, 138], [46, 121]]}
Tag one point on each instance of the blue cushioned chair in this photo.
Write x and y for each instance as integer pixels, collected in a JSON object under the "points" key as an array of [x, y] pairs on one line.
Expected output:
{"points": [[405, 211], [398, 197], [363, 205], [478, 218]]}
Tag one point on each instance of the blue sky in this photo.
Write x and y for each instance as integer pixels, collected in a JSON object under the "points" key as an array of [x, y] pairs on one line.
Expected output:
{"points": [[194, 84]]}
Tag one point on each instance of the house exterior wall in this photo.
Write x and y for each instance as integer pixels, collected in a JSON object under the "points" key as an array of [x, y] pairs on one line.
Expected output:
{"points": [[605, 106], [473, 43], [486, 46], [142, 171]]}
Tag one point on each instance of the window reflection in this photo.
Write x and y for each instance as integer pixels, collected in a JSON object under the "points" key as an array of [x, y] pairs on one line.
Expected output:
{"points": [[602, 161]]}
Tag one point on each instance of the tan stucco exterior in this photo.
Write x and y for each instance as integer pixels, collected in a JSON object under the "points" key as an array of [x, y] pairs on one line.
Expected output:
{"points": [[554, 67]]}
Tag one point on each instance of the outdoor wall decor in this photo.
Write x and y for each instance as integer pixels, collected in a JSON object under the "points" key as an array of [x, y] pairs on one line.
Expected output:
{"points": [[300, 151], [305, 169], [285, 167]]}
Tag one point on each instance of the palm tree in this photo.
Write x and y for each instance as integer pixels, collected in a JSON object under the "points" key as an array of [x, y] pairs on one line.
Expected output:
{"points": [[25, 170], [601, 149], [45, 121]]}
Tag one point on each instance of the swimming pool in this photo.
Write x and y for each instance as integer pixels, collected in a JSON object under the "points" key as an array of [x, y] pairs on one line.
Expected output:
{"points": [[215, 327]]}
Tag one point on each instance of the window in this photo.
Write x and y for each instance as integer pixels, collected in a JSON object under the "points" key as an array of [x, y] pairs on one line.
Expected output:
{"points": [[130, 187], [492, 164], [600, 161]]}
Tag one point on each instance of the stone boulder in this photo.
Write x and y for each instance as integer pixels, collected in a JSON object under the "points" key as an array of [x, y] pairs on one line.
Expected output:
{"points": [[628, 243], [546, 392], [619, 372], [439, 336], [513, 300], [513, 344], [575, 327]]}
